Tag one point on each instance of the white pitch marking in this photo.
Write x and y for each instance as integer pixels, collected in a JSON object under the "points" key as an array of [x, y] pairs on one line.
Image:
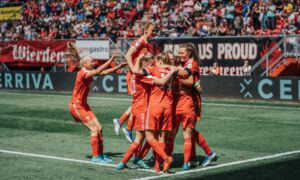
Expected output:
{"points": [[64, 159], [222, 165]]}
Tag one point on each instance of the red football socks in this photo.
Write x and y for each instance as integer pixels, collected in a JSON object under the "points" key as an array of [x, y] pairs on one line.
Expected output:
{"points": [[100, 142], [95, 145], [144, 151], [199, 139], [132, 148], [130, 124], [123, 118], [187, 148], [158, 149]]}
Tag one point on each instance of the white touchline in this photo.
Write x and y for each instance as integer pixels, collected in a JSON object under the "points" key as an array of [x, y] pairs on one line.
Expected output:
{"points": [[222, 165], [64, 159], [127, 99], [158, 176]]}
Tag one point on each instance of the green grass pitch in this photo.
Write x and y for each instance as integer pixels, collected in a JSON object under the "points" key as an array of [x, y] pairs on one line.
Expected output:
{"points": [[40, 124]]}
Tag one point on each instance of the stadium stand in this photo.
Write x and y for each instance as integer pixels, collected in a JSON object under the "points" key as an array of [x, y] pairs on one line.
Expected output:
{"points": [[71, 19]]}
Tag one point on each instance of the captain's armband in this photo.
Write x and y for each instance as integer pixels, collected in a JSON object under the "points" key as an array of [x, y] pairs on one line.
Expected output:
{"points": [[145, 72], [189, 71]]}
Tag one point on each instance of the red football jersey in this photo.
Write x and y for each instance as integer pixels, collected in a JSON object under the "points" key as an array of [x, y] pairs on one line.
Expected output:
{"points": [[192, 65], [184, 101], [81, 88], [141, 87], [161, 95]]}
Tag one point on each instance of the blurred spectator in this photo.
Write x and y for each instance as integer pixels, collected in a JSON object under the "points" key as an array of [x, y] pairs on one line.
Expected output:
{"points": [[229, 14], [246, 68], [271, 17], [215, 70], [56, 19]]}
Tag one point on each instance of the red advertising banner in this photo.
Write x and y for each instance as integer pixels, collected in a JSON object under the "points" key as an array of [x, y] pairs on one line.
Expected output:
{"points": [[33, 52]]}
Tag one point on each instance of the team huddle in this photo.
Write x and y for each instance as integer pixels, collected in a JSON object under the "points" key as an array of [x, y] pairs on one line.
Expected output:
{"points": [[165, 93]]}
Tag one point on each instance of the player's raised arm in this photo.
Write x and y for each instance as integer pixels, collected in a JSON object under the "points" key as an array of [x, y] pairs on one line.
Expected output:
{"points": [[100, 68], [113, 69], [138, 65], [128, 57], [165, 79]]}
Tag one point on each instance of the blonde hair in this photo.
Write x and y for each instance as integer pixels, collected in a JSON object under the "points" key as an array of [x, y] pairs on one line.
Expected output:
{"points": [[145, 25], [84, 59], [72, 54]]}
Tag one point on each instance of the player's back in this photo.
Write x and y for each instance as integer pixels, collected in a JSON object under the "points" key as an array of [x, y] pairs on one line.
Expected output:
{"points": [[161, 95]]}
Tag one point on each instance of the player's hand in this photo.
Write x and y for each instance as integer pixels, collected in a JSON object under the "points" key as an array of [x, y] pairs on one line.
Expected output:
{"points": [[180, 68], [141, 55], [123, 64], [113, 57], [174, 69]]}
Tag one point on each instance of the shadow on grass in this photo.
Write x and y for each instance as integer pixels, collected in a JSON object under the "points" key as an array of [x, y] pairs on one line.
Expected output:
{"points": [[178, 160], [110, 154], [285, 169]]}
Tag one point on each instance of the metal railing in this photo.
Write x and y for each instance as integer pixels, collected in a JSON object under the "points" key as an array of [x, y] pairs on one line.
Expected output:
{"points": [[265, 58], [289, 47]]}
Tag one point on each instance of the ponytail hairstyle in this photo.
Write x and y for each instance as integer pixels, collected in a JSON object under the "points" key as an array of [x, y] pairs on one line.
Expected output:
{"points": [[72, 54], [164, 58], [191, 49]]}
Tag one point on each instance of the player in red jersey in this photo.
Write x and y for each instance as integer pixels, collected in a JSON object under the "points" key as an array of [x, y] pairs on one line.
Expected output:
{"points": [[79, 108], [141, 90], [186, 108], [183, 74], [159, 115], [138, 47]]}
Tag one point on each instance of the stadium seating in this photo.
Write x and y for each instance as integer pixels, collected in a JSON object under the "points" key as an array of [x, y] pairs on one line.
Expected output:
{"points": [[56, 19]]}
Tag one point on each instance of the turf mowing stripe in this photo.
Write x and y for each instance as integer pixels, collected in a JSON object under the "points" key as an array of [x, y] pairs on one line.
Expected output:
{"points": [[65, 159], [246, 106], [127, 99], [222, 165]]}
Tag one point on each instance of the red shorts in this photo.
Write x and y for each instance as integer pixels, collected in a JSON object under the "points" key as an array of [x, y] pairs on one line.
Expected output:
{"points": [[81, 113], [139, 120], [159, 118], [187, 120], [129, 83]]}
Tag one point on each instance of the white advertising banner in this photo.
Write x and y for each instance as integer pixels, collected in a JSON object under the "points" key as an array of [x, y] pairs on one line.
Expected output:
{"points": [[98, 49]]}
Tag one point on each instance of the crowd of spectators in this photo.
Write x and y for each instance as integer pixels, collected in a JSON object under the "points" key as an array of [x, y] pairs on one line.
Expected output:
{"points": [[71, 19]]}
